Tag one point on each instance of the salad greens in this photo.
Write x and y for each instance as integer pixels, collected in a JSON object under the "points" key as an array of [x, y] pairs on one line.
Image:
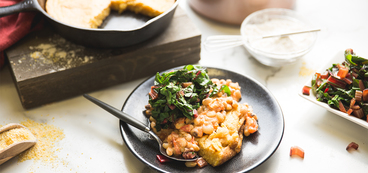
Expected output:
{"points": [[179, 93], [344, 86]]}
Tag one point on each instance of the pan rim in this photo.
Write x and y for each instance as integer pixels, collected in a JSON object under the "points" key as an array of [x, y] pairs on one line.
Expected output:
{"points": [[38, 6]]}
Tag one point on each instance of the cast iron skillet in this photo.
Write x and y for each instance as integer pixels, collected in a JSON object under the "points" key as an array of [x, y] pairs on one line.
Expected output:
{"points": [[109, 36]]}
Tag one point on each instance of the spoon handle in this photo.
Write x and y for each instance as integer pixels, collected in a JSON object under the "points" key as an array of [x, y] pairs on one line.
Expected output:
{"points": [[119, 114]]}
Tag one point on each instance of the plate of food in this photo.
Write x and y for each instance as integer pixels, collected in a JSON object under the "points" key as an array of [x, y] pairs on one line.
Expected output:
{"points": [[341, 87], [229, 120]]}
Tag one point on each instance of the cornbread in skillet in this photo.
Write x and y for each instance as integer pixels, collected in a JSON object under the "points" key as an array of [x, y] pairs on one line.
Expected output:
{"points": [[150, 8], [81, 13], [91, 13], [119, 5]]}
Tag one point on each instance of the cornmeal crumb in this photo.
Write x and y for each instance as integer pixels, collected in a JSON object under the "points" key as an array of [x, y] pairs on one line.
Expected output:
{"points": [[47, 138], [13, 136]]}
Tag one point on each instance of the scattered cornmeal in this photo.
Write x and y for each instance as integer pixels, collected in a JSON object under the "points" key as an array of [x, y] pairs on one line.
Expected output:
{"points": [[13, 136], [47, 138], [304, 71]]}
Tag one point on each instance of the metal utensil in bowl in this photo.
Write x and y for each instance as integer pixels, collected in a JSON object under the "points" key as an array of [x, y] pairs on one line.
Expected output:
{"points": [[137, 124]]}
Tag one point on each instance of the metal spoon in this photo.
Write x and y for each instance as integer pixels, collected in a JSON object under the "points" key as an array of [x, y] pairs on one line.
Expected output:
{"points": [[137, 124], [15, 148]]}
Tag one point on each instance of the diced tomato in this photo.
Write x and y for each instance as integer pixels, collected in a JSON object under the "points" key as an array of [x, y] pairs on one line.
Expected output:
{"points": [[341, 107], [325, 75], [365, 95], [349, 111], [195, 113], [352, 145], [164, 121], [186, 128], [162, 158], [336, 82], [306, 90], [172, 106], [297, 151], [326, 90], [153, 93]]}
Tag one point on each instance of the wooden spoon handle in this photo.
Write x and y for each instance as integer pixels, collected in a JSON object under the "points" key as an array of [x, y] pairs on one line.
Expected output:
{"points": [[14, 150]]}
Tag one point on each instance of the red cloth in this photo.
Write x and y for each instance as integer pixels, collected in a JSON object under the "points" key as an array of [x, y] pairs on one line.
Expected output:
{"points": [[16, 26]]}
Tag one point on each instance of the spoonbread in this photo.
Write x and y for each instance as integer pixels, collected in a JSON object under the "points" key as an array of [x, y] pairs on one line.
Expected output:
{"points": [[226, 141], [81, 13], [91, 13], [216, 130]]}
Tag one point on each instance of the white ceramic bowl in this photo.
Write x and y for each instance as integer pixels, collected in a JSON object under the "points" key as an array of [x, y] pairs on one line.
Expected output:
{"points": [[272, 58]]}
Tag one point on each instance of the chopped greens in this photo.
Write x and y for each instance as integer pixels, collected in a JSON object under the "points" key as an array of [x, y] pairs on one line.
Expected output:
{"points": [[178, 93], [344, 86], [226, 89]]}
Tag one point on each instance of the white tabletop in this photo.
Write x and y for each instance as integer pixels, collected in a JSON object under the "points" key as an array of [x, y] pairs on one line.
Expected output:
{"points": [[93, 142]]}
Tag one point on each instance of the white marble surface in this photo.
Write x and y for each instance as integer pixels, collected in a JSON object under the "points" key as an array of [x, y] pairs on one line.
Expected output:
{"points": [[323, 135]]}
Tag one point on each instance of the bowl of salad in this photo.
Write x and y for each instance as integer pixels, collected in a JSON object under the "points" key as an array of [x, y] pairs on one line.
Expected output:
{"points": [[341, 87]]}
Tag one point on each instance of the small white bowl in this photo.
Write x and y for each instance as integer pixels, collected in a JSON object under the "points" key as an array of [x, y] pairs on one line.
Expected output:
{"points": [[276, 59]]}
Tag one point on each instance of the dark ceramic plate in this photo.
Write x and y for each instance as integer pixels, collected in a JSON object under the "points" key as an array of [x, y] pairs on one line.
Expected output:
{"points": [[256, 148]]}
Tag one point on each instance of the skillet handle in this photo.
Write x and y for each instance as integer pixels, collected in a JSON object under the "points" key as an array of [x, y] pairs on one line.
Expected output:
{"points": [[119, 114], [25, 5]]}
